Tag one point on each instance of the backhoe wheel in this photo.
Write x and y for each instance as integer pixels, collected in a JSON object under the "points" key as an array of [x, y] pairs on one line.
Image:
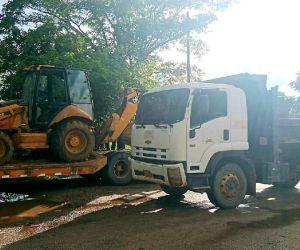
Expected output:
{"points": [[6, 148], [118, 170], [229, 186], [72, 141], [174, 191]]}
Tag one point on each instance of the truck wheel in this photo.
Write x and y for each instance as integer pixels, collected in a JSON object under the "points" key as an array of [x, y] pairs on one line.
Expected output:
{"points": [[6, 148], [229, 186], [174, 191], [118, 170], [72, 141]]}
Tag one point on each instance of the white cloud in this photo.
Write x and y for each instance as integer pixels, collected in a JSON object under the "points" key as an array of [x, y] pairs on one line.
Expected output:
{"points": [[1, 3]]}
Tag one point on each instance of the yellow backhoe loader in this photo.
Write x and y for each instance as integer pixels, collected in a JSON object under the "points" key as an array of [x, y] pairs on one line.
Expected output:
{"points": [[56, 112]]}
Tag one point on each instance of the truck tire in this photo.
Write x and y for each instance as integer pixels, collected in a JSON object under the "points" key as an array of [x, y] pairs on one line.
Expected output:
{"points": [[72, 141], [6, 148], [118, 170], [174, 191], [228, 187]]}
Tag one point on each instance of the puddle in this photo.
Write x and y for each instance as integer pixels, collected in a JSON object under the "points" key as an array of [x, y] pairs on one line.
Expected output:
{"points": [[152, 211], [16, 207], [13, 197], [278, 219], [281, 218], [244, 206], [38, 206], [213, 210]]}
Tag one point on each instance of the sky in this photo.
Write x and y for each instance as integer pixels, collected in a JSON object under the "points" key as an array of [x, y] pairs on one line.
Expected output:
{"points": [[255, 36]]}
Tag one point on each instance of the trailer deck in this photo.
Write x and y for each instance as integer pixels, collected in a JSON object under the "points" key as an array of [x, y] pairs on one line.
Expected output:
{"points": [[46, 167]]}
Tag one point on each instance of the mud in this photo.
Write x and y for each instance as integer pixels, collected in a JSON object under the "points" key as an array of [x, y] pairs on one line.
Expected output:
{"points": [[79, 214]]}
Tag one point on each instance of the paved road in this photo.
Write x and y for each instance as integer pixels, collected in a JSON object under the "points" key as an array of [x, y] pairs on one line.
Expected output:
{"points": [[78, 214]]}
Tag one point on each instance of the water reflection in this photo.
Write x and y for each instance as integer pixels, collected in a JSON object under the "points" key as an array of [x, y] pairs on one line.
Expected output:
{"points": [[13, 197]]}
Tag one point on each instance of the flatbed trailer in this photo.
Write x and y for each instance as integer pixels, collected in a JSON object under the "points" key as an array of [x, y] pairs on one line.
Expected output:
{"points": [[112, 165]]}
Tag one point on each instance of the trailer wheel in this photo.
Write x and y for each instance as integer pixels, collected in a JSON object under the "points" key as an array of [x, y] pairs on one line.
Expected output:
{"points": [[229, 186], [72, 141], [6, 148], [118, 170], [174, 191]]}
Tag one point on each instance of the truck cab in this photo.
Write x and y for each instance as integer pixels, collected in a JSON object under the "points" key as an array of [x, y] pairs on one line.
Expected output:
{"points": [[209, 137], [179, 129]]}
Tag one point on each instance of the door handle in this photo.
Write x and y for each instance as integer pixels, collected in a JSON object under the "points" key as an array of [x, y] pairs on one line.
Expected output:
{"points": [[226, 134]]}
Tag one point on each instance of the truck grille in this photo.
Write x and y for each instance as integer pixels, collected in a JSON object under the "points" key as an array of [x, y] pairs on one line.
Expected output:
{"points": [[153, 153]]}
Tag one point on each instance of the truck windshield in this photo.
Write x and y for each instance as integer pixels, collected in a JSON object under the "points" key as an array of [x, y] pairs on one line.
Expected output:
{"points": [[165, 107], [28, 87]]}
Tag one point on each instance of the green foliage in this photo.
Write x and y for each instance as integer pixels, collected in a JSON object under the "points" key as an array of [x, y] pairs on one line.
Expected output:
{"points": [[294, 102], [168, 73], [294, 111], [296, 84], [289, 107], [114, 39]]}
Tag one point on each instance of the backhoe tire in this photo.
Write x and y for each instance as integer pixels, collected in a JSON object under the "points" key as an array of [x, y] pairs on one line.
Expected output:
{"points": [[228, 187], [6, 148], [174, 191], [72, 141], [118, 170]]}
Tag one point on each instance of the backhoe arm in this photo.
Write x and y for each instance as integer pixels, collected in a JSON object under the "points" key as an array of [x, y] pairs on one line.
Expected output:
{"points": [[114, 126]]}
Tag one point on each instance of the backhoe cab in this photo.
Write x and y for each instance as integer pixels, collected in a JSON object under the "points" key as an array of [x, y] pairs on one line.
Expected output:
{"points": [[56, 112]]}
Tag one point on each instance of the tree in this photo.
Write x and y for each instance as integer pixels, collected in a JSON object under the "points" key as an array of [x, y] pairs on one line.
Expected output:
{"points": [[296, 84], [168, 72], [114, 39]]}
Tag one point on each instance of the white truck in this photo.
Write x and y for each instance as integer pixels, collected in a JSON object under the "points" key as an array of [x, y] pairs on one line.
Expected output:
{"points": [[220, 137]]}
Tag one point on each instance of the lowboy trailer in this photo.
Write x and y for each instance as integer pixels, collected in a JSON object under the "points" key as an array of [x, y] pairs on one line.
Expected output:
{"points": [[112, 165]]}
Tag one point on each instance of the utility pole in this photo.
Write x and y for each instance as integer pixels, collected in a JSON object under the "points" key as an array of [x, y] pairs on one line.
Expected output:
{"points": [[188, 54]]}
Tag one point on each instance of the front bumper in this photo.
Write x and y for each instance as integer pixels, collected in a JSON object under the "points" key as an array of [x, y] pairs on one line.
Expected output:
{"points": [[165, 174]]}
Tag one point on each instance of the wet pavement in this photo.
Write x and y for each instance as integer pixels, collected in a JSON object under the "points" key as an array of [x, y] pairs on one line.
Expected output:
{"points": [[80, 214]]}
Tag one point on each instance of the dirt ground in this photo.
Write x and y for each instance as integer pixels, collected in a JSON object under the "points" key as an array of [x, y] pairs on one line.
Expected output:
{"points": [[81, 214]]}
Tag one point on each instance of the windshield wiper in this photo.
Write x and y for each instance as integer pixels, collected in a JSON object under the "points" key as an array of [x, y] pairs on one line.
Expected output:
{"points": [[140, 126], [159, 126]]}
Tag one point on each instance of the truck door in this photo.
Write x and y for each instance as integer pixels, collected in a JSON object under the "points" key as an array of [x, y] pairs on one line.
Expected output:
{"points": [[208, 129]]}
